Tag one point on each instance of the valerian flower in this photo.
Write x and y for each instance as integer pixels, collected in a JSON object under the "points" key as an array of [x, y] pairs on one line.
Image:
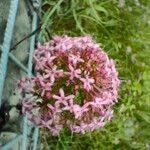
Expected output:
{"points": [[87, 83], [52, 73], [62, 98], [74, 59], [75, 87], [73, 73]]}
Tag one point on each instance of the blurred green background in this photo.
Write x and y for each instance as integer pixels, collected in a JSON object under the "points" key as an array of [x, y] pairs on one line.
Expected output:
{"points": [[123, 29]]}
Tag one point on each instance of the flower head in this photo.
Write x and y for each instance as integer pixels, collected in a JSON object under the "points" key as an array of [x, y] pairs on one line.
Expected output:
{"points": [[76, 86]]}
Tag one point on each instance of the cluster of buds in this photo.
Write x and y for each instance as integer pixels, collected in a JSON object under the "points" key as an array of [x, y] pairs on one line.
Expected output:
{"points": [[75, 86]]}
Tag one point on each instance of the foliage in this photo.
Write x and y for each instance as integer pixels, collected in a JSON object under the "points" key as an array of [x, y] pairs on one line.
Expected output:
{"points": [[123, 31]]}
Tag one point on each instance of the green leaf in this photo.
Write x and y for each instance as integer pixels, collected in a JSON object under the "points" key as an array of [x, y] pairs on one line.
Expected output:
{"points": [[111, 22], [101, 9], [144, 116]]}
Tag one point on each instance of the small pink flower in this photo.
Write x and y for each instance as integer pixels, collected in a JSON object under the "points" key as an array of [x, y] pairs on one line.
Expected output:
{"points": [[87, 39], [69, 106], [56, 129], [46, 89], [39, 81], [87, 83], [73, 108], [49, 58], [54, 109], [62, 98], [21, 83], [96, 123], [100, 101], [74, 73], [83, 127], [74, 59], [52, 73], [40, 63], [77, 111], [26, 84], [36, 119], [27, 106], [47, 124]]}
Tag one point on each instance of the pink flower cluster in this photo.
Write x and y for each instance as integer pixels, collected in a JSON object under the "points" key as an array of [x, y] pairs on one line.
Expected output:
{"points": [[75, 87]]}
